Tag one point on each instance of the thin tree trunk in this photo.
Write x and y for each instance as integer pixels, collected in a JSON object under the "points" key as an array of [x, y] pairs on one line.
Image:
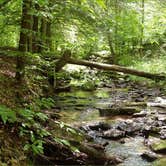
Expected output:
{"points": [[142, 26], [113, 54], [35, 39], [48, 36], [116, 25], [43, 30], [35, 34]]}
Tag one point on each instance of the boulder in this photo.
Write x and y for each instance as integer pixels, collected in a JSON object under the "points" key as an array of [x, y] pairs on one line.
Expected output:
{"points": [[110, 109]]}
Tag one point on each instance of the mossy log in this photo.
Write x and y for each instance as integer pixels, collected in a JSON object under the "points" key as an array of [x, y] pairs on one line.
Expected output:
{"points": [[97, 154], [90, 154]]}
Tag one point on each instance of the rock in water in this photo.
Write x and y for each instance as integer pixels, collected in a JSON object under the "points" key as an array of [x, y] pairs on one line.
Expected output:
{"points": [[149, 156], [113, 134]]}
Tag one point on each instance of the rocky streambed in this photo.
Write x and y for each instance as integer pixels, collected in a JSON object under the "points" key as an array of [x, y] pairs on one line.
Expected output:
{"points": [[129, 120]]}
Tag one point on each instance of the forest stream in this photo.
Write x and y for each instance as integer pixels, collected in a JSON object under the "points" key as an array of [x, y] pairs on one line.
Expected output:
{"points": [[129, 135]]}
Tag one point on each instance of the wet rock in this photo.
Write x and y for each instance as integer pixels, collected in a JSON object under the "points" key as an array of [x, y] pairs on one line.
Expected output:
{"points": [[113, 134], [159, 146], [155, 130], [99, 126], [129, 127], [140, 114], [163, 133], [85, 128], [94, 134], [146, 131], [122, 141], [162, 118], [110, 109], [149, 156]]}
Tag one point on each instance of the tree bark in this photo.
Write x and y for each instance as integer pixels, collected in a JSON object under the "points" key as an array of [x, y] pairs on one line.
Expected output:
{"points": [[35, 39], [23, 42], [48, 36], [113, 54], [43, 30]]}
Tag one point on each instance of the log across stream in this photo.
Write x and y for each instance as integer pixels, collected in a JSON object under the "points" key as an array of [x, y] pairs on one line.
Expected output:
{"points": [[67, 59]]}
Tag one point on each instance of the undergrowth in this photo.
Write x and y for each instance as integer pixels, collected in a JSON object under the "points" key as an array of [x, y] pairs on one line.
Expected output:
{"points": [[32, 126]]}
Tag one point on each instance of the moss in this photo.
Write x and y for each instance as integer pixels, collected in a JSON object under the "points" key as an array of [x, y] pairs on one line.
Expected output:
{"points": [[159, 146], [160, 162]]}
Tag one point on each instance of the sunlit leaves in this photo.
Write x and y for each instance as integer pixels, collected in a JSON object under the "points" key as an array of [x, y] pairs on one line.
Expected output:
{"points": [[101, 3]]}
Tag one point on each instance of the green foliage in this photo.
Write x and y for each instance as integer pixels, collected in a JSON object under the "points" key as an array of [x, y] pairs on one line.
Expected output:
{"points": [[32, 129], [43, 103], [7, 114], [66, 143], [36, 146]]}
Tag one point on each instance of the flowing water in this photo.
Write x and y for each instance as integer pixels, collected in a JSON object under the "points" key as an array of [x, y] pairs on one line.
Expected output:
{"points": [[79, 107]]}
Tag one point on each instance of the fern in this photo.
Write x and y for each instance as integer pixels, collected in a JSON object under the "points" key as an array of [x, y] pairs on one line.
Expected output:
{"points": [[7, 114]]}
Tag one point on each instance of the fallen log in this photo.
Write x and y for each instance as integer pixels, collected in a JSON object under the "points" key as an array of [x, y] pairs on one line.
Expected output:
{"points": [[66, 59], [116, 68]]}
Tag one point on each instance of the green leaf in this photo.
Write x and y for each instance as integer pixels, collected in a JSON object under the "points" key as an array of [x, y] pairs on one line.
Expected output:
{"points": [[7, 114], [27, 147], [101, 3], [71, 130], [42, 116], [65, 142]]}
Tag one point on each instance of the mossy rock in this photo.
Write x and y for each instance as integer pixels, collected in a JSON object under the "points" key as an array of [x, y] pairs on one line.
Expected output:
{"points": [[159, 146], [106, 109], [160, 162]]}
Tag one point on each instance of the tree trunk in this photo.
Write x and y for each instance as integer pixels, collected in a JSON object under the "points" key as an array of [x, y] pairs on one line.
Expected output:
{"points": [[116, 25], [48, 36], [35, 39], [43, 30], [113, 54], [115, 68], [23, 42]]}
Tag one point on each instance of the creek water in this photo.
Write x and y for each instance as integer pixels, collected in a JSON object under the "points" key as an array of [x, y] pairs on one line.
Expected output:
{"points": [[79, 108]]}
